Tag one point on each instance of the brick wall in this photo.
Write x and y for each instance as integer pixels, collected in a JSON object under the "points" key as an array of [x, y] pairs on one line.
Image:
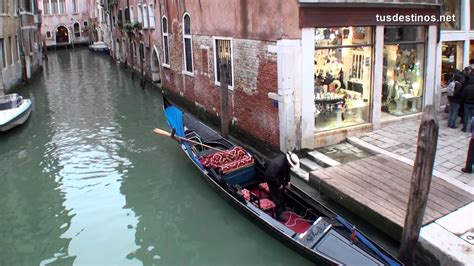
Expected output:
{"points": [[417, 2], [255, 75]]}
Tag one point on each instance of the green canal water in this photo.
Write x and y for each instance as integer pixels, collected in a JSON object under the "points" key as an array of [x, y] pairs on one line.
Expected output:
{"points": [[86, 182]]}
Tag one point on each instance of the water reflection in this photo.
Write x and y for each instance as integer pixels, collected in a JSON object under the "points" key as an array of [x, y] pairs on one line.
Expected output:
{"points": [[85, 181]]}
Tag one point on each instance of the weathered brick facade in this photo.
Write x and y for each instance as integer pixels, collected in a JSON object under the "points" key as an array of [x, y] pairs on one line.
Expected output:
{"points": [[255, 75]]}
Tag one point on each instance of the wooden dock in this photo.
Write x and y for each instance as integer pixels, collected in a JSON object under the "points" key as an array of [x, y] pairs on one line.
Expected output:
{"points": [[377, 189]]}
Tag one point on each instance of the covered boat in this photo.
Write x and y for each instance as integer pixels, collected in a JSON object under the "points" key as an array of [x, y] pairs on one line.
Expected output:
{"points": [[14, 111], [238, 176], [100, 47]]}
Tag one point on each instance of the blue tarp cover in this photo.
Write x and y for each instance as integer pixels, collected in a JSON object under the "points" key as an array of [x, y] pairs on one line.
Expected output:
{"points": [[174, 116]]}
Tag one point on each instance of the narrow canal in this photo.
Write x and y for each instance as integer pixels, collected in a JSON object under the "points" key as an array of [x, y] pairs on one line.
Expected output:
{"points": [[85, 181]]}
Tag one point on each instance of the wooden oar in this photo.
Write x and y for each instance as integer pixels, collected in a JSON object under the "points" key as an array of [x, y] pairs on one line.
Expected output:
{"points": [[167, 134]]}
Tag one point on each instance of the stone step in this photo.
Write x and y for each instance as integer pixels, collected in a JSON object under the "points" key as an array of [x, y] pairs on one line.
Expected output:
{"points": [[300, 173], [309, 165], [322, 159]]}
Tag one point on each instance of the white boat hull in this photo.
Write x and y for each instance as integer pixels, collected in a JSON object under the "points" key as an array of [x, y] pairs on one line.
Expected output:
{"points": [[16, 116]]}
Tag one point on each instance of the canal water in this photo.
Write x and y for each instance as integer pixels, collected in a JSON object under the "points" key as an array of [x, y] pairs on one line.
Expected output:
{"points": [[86, 182]]}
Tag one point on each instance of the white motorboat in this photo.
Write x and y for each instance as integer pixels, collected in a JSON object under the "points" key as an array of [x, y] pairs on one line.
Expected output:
{"points": [[100, 47], [14, 111]]}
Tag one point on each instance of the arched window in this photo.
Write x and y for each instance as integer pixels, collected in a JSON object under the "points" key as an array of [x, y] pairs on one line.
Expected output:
{"points": [[77, 30], [187, 44], [164, 29]]}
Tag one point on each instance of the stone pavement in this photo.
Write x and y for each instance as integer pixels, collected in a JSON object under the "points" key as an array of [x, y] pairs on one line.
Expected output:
{"points": [[400, 138]]}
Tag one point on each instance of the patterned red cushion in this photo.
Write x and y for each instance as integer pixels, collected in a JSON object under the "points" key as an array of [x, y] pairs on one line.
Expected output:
{"points": [[266, 204], [246, 194], [229, 160]]}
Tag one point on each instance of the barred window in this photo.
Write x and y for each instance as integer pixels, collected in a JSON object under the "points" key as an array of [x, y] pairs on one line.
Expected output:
{"points": [[223, 54]]}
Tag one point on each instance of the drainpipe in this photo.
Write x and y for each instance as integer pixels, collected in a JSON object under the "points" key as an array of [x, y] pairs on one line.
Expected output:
{"points": [[22, 50]]}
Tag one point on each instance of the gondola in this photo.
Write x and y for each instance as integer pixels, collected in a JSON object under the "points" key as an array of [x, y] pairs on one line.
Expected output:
{"points": [[310, 227], [14, 111]]}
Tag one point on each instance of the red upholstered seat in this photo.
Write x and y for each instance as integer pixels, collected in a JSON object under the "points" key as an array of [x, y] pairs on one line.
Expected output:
{"points": [[263, 204], [264, 187]]}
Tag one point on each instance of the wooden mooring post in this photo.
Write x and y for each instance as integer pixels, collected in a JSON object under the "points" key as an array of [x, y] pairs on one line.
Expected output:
{"points": [[420, 184], [223, 70]]}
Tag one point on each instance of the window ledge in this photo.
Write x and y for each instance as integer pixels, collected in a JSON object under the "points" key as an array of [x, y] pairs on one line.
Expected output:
{"points": [[187, 73], [217, 83], [166, 66]]}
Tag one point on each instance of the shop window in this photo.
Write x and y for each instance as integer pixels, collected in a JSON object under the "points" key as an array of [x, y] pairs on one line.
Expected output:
{"points": [[452, 7], [403, 70], [164, 29], [471, 49], [223, 54], [188, 51], [342, 71], [451, 59], [472, 15]]}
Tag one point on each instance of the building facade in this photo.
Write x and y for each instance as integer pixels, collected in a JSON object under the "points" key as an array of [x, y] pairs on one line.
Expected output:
{"points": [[456, 47], [301, 74], [68, 22], [20, 48], [136, 36]]}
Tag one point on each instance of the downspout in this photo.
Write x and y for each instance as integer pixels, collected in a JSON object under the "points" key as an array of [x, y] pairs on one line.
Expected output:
{"points": [[22, 50]]}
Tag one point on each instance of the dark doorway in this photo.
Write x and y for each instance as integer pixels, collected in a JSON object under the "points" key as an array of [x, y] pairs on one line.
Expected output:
{"points": [[62, 36]]}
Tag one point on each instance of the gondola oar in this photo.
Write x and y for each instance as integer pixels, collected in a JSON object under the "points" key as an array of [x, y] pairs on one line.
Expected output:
{"points": [[167, 134]]}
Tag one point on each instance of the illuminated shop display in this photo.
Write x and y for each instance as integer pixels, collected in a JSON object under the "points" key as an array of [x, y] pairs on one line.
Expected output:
{"points": [[342, 71], [403, 65]]}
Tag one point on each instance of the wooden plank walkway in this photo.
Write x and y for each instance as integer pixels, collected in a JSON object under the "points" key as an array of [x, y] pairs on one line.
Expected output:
{"points": [[377, 188]]}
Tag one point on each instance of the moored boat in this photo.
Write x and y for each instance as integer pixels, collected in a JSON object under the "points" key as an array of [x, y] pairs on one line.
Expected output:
{"points": [[238, 175], [14, 111], [99, 47]]}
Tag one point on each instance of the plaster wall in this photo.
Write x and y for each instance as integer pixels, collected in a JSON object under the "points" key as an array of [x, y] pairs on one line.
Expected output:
{"points": [[85, 10]]}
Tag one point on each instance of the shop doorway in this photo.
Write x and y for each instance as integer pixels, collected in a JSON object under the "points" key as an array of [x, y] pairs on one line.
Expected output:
{"points": [[62, 35]]}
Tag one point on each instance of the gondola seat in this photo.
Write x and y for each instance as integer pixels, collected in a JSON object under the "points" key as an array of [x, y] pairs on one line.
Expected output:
{"points": [[235, 166], [263, 204]]}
